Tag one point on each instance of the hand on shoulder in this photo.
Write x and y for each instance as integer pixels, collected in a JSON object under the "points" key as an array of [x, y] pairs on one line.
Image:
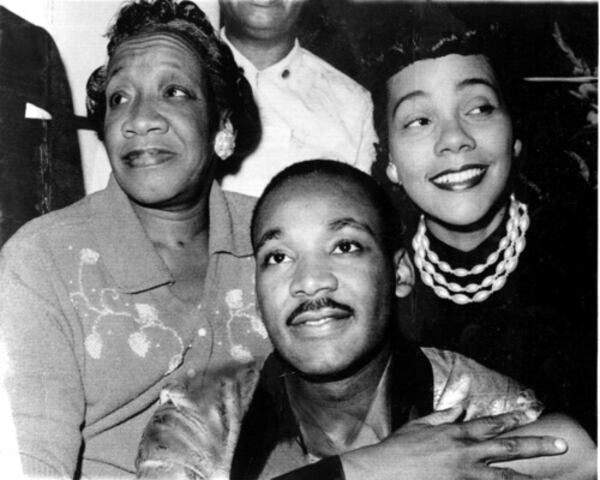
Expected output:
{"points": [[433, 447]]}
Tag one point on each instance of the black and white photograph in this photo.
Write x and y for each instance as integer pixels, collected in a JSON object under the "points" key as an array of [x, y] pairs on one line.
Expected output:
{"points": [[298, 239]]}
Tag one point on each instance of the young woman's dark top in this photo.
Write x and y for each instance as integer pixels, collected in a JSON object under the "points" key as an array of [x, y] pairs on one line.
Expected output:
{"points": [[540, 328]]}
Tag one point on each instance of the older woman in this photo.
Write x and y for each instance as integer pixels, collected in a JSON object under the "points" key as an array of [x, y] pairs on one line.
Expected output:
{"points": [[490, 278], [150, 280]]}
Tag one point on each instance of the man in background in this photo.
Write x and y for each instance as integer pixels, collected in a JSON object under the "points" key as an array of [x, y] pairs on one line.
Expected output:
{"points": [[40, 165], [308, 109]]}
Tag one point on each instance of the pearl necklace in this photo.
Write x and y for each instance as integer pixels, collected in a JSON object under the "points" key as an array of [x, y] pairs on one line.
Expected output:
{"points": [[509, 248]]}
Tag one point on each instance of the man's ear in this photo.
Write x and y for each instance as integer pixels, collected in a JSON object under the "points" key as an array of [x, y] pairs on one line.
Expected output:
{"points": [[405, 273]]}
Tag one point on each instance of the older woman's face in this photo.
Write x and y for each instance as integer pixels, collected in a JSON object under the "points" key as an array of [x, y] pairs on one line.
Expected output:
{"points": [[450, 136], [157, 122]]}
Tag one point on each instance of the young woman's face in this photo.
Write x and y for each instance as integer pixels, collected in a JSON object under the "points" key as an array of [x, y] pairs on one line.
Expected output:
{"points": [[157, 122], [450, 136]]}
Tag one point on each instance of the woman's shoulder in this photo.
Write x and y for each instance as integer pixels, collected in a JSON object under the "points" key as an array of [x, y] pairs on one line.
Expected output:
{"points": [[50, 229], [239, 204]]}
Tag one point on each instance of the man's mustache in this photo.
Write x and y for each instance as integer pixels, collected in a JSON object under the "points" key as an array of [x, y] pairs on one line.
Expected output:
{"points": [[318, 304]]}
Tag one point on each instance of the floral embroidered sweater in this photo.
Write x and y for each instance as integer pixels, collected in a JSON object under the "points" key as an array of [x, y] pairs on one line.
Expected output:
{"points": [[93, 331]]}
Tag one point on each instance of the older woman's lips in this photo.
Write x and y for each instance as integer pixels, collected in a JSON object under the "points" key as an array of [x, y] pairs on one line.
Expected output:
{"points": [[462, 179], [147, 157]]}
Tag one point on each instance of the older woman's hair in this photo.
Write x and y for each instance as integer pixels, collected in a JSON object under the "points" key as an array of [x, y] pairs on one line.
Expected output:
{"points": [[435, 32], [226, 89]]}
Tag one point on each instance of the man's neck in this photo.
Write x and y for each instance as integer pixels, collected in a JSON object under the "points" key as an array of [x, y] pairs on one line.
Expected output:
{"points": [[262, 53], [332, 414]]}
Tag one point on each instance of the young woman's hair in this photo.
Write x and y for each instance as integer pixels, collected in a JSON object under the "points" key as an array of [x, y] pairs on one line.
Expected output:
{"points": [[227, 91], [433, 32]]}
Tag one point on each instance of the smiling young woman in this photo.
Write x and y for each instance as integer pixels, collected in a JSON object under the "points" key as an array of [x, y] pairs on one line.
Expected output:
{"points": [[498, 278]]}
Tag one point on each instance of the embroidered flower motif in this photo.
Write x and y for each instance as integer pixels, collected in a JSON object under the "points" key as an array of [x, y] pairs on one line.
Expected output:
{"points": [[139, 343], [89, 256], [242, 316], [258, 326], [105, 309], [147, 314], [174, 363], [241, 353], [93, 345], [235, 299]]}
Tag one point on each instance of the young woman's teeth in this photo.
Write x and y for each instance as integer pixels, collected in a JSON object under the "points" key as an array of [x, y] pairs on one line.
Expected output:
{"points": [[458, 177]]}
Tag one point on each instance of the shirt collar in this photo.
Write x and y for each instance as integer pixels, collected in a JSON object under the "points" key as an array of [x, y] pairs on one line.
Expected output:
{"points": [[119, 235], [407, 384], [287, 64], [230, 215], [270, 420]]}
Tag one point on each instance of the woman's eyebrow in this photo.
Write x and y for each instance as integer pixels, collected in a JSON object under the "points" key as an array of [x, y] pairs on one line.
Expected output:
{"points": [[112, 72], [468, 82], [408, 96]]}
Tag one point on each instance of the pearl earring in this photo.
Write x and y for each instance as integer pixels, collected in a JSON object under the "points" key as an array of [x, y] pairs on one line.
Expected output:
{"points": [[225, 141], [392, 173]]}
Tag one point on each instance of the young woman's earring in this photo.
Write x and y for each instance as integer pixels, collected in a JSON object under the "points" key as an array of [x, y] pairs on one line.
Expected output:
{"points": [[225, 141], [517, 147], [392, 173]]}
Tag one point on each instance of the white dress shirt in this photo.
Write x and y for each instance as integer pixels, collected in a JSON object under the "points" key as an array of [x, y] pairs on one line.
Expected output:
{"points": [[308, 109]]}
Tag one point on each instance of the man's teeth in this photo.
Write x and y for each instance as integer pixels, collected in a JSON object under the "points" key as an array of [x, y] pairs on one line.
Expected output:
{"points": [[459, 176], [320, 321]]}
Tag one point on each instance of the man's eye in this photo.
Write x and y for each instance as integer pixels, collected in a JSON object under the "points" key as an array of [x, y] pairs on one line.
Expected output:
{"points": [[176, 91], [276, 258], [116, 99], [417, 122], [347, 246]]}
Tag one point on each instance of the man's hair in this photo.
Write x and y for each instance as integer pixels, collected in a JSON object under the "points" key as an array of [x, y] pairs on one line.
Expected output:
{"points": [[226, 89], [388, 218]]}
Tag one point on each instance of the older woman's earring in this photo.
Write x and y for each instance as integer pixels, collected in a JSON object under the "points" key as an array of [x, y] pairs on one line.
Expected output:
{"points": [[225, 141], [392, 173]]}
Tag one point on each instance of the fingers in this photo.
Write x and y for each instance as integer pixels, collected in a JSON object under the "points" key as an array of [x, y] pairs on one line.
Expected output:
{"points": [[493, 473], [440, 417], [490, 427], [511, 448]]}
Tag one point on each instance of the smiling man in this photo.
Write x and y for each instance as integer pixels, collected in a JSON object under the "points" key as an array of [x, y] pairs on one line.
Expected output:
{"points": [[344, 394]]}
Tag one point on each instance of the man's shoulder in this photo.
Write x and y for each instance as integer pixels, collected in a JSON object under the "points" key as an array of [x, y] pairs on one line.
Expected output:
{"points": [[333, 75], [481, 391]]}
